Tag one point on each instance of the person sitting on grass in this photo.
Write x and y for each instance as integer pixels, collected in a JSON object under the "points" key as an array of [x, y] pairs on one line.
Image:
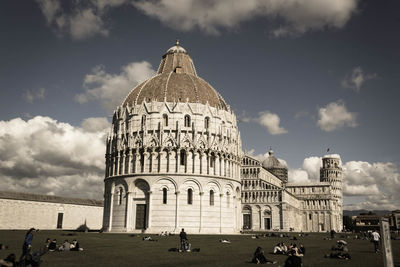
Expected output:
{"points": [[9, 261], [75, 246], [3, 247], [293, 260], [259, 257], [53, 245], [66, 246], [302, 249], [280, 248], [340, 251]]}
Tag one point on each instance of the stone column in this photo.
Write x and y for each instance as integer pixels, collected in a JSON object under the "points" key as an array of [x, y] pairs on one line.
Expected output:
{"points": [[111, 210], [220, 213], [163, 161], [128, 221], [178, 160], [169, 161], [189, 162], [235, 215], [194, 169], [123, 162], [118, 164], [208, 162], [177, 212], [201, 211], [149, 209], [217, 166], [186, 160], [111, 173], [145, 160], [137, 162], [130, 159]]}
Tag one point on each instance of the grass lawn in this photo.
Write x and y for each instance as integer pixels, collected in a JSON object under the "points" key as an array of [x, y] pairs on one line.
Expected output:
{"points": [[124, 250]]}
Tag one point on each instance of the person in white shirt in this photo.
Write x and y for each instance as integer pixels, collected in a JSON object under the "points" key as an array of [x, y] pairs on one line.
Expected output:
{"points": [[375, 239]]}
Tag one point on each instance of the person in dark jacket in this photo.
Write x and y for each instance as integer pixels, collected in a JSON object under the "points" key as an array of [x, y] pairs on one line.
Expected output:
{"points": [[293, 260], [259, 257], [183, 237], [27, 245]]}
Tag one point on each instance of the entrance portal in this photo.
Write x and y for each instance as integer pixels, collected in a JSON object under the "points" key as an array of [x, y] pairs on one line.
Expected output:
{"points": [[140, 216], [246, 221], [267, 223]]}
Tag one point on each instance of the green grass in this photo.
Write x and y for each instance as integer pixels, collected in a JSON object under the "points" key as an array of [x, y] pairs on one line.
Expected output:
{"points": [[125, 250]]}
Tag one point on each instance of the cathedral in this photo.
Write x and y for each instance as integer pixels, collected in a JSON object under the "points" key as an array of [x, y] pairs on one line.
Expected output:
{"points": [[174, 160]]}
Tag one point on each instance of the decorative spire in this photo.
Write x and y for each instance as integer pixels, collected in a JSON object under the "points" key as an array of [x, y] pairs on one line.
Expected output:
{"points": [[270, 152], [177, 42]]}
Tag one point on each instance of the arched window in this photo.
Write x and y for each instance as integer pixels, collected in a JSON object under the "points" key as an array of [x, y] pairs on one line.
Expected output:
{"points": [[190, 196], [228, 199], [212, 161], [211, 198], [120, 196], [206, 123], [187, 121], [164, 196], [183, 157], [143, 120], [165, 120]]}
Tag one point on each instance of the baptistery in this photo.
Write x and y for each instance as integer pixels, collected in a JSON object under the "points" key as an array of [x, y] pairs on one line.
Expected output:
{"points": [[173, 156]]}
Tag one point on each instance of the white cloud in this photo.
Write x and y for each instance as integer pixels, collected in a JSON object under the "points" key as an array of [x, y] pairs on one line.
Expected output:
{"points": [[82, 19], [96, 124], [42, 155], [298, 176], [31, 95], [376, 183], [335, 116], [111, 89], [271, 122], [357, 78], [295, 17]]}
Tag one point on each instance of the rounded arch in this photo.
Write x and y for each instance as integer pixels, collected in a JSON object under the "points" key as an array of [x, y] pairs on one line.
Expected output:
{"points": [[157, 181], [247, 209], [120, 184], [213, 184], [186, 181]]}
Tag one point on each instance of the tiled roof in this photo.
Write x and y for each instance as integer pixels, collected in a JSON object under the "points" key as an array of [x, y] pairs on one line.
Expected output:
{"points": [[176, 81], [52, 199]]}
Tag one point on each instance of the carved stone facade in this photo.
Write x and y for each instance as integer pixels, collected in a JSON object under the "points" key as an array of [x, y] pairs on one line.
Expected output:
{"points": [[270, 203], [174, 160]]}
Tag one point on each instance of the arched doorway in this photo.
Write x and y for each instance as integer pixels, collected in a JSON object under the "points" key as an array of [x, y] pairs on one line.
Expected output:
{"points": [[247, 218], [141, 204], [267, 218]]}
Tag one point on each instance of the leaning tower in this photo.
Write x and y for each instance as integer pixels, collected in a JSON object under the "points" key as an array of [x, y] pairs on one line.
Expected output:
{"points": [[331, 172]]}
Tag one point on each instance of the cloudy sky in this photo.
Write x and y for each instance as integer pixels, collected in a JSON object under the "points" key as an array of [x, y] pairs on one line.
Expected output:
{"points": [[302, 76]]}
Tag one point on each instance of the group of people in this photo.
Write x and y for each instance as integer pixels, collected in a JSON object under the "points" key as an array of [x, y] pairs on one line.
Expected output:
{"points": [[281, 248], [65, 246], [340, 251], [30, 258]]}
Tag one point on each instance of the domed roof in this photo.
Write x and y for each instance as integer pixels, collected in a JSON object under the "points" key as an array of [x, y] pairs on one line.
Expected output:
{"points": [[176, 81], [271, 162]]}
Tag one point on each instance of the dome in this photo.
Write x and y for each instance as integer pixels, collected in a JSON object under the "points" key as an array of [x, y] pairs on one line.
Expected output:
{"points": [[271, 162], [176, 81]]}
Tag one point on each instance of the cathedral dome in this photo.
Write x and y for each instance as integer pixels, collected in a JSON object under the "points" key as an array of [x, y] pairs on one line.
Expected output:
{"points": [[271, 162], [176, 81], [274, 166]]}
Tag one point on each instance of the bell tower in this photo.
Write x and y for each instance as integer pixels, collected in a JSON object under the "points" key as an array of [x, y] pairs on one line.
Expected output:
{"points": [[331, 172]]}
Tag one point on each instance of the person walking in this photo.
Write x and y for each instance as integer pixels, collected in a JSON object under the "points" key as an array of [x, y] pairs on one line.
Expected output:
{"points": [[183, 237], [26, 247], [375, 239]]}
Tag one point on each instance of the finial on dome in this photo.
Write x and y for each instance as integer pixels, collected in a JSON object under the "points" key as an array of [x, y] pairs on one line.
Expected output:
{"points": [[270, 152], [177, 42]]}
